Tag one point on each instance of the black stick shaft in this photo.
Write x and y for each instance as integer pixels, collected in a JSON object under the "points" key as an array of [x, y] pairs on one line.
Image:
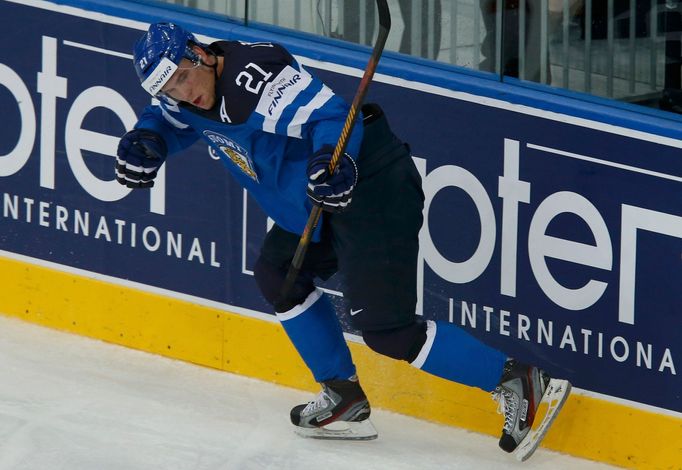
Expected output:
{"points": [[314, 218]]}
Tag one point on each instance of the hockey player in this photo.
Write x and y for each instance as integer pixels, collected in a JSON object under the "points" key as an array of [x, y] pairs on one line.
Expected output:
{"points": [[274, 126]]}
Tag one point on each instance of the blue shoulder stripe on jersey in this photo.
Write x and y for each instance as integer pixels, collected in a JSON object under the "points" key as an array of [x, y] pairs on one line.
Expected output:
{"points": [[304, 113], [301, 99]]}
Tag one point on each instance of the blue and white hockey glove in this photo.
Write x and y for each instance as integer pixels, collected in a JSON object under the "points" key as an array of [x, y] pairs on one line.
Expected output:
{"points": [[333, 192], [140, 154]]}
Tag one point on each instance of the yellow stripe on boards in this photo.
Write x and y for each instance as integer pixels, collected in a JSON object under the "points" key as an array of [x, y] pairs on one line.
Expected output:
{"points": [[587, 427], [112, 313]]}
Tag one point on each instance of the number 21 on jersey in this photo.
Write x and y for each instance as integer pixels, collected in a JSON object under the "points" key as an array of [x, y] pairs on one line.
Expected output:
{"points": [[253, 81]]}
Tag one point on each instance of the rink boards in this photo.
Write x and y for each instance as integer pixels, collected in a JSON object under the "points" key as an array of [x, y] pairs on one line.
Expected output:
{"points": [[553, 230]]}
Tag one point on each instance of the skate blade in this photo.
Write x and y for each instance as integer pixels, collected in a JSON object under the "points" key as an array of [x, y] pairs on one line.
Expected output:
{"points": [[555, 396], [342, 431]]}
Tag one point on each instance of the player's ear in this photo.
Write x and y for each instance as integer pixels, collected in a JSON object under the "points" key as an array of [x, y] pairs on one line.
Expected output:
{"points": [[199, 51]]}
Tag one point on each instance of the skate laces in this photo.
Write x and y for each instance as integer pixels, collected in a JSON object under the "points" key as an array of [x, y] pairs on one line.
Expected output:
{"points": [[507, 403], [319, 403]]}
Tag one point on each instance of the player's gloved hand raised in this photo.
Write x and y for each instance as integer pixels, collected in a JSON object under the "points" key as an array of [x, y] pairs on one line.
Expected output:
{"points": [[333, 192], [140, 154]]}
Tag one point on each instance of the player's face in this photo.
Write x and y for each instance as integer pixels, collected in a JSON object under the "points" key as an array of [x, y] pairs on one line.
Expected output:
{"points": [[193, 83]]}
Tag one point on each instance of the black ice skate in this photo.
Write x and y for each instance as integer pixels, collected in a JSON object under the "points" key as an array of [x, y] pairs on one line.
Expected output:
{"points": [[521, 390], [340, 411]]}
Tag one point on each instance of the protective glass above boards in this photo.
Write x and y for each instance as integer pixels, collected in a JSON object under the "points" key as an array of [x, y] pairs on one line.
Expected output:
{"points": [[629, 50]]}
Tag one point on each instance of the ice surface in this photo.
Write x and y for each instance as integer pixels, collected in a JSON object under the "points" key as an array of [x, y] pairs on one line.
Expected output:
{"points": [[72, 403]]}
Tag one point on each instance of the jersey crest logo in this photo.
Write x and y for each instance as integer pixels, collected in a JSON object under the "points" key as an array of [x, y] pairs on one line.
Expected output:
{"points": [[224, 147]]}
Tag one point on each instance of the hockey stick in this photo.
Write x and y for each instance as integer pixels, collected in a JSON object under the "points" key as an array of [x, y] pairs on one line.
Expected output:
{"points": [[314, 218]]}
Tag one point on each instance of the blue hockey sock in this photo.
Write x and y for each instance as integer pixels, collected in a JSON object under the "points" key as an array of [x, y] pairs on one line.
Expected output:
{"points": [[316, 333], [453, 354]]}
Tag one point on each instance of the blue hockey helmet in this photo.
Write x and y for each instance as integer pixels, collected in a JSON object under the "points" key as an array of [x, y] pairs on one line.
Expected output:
{"points": [[158, 53]]}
